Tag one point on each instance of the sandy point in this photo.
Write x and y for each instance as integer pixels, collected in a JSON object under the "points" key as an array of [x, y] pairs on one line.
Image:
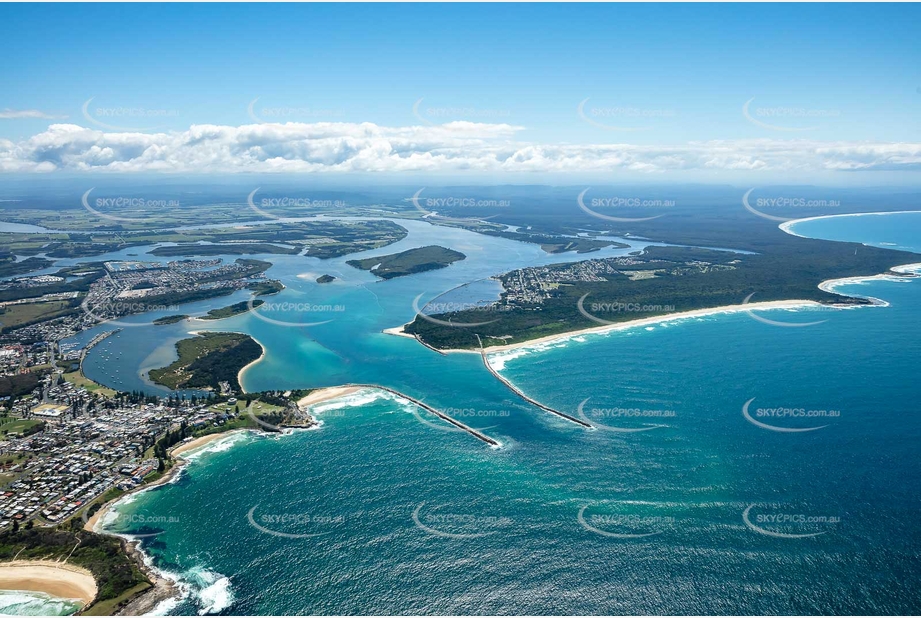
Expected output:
{"points": [[398, 331], [57, 579], [325, 394]]}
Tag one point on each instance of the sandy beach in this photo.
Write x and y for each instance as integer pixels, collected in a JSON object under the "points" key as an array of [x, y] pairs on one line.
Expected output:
{"points": [[325, 394], [191, 445], [696, 313], [247, 366], [176, 451], [54, 578]]}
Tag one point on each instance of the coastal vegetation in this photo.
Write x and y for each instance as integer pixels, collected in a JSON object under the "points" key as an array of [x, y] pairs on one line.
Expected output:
{"points": [[320, 238], [103, 556], [17, 384], [660, 281], [267, 287], [170, 319], [325, 279], [232, 310], [9, 267], [408, 262], [207, 360]]}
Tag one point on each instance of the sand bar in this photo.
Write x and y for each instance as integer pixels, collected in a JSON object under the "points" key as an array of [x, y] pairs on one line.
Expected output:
{"points": [[53, 578]]}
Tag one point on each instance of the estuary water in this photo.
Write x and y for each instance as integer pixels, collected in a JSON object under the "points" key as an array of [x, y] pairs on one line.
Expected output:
{"points": [[737, 466]]}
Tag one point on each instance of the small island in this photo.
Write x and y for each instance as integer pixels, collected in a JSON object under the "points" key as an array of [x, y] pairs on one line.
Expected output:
{"points": [[325, 279], [207, 360], [409, 262], [170, 319], [232, 310]]}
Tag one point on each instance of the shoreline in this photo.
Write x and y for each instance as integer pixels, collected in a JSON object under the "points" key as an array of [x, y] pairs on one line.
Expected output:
{"points": [[244, 368], [606, 328], [786, 225], [162, 587], [895, 272], [56, 579], [327, 393]]}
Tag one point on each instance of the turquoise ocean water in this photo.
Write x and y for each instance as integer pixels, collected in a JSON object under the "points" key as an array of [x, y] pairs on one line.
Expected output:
{"points": [[678, 503]]}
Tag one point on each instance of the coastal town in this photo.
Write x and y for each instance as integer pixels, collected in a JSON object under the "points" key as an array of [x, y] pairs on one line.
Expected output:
{"points": [[531, 286], [67, 443], [39, 311]]}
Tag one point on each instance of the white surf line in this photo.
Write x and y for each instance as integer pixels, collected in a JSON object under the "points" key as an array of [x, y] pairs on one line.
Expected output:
{"points": [[518, 392], [473, 432]]}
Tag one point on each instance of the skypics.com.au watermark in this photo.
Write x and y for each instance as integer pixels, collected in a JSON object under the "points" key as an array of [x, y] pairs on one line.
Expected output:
{"points": [[121, 118], [462, 415], [131, 204], [629, 203], [453, 524], [757, 206], [297, 203], [429, 206], [605, 418], [787, 118], [615, 307], [787, 524], [621, 118], [294, 525], [108, 310], [630, 308], [773, 419], [751, 313], [263, 310], [451, 113], [624, 526], [277, 114], [436, 307], [136, 525], [464, 202]]}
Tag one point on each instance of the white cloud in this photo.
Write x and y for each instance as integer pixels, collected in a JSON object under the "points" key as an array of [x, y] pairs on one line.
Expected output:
{"points": [[452, 147], [9, 114]]}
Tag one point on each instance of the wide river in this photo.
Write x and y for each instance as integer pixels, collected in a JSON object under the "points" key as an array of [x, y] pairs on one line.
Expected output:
{"points": [[738, 466]]}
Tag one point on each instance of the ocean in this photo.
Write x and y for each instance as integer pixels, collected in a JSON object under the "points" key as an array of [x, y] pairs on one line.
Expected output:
{"points": [[738, 467]]}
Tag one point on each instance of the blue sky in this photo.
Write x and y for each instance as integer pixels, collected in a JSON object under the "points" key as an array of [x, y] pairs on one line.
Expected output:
{"points": [[654, 75]]}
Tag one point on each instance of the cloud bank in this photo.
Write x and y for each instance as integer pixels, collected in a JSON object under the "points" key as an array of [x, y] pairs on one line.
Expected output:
{"points": [[452, 147], [10, 114]]}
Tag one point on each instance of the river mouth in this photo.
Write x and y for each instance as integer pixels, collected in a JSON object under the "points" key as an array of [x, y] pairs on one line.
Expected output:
{"points": [[671, 498]]}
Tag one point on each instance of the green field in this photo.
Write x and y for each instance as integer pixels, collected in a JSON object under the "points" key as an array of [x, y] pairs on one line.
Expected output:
{"points": [[18, 426], [78, 379], [23, 314]]}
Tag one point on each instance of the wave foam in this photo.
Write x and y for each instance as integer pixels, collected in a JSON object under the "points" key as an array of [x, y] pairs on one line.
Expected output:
{"points": [[22, 603]]}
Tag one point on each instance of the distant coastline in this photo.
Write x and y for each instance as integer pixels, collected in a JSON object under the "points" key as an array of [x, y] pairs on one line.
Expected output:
{"points": [[787, 225], [904, 270]]}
